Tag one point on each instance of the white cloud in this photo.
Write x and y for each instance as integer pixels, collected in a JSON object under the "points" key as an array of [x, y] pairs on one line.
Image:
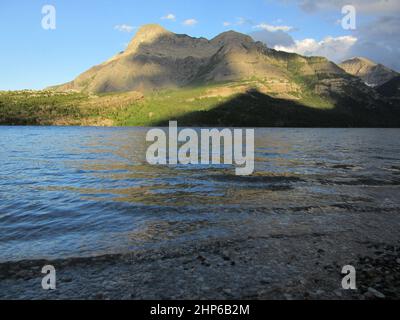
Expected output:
{"points": [[169, 16], [272, 39], [190, 22], [376, 39], [335, 49], [271, 28], [240, 21], [366, 6], [124, 28]]}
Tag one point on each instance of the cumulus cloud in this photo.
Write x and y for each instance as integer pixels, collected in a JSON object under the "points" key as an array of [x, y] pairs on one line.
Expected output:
{"points": [[272, 39], [364, 6], [240, 21], [273, 35], [377, 39], [271, 28], [333, 48], [169, 16], [190, 22], [124, 28]]}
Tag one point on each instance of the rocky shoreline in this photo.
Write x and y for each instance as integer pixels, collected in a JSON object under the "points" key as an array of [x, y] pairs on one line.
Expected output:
{"points": [[282, 265]]}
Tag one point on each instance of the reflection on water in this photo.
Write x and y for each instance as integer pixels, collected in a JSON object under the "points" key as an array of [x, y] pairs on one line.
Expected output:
{"points": [[67, 191]]}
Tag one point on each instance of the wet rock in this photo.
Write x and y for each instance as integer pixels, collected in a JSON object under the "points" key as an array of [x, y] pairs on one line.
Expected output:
{"points": [[288, 296], [376, 293], [99, 296], [338, 293], [227, 291]]}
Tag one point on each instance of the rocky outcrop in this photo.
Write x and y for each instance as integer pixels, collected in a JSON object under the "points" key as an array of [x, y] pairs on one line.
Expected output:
{"points": [[371, 73]]}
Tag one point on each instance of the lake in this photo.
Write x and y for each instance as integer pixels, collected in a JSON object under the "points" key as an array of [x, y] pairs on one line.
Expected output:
{"points": [[81, 191]]}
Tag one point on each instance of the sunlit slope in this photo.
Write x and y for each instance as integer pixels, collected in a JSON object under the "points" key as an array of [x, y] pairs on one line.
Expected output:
{"points": [[241, 103], [229, 80]]}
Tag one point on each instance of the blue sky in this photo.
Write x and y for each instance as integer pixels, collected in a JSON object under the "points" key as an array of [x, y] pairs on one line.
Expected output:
{"points": [[87, 31]]}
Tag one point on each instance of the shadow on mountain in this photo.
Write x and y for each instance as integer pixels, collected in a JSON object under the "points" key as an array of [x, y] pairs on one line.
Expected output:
{"points": [[256, 109]]}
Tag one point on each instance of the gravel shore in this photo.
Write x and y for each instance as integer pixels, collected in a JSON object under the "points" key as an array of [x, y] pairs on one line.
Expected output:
{"points": [[299, 256]]}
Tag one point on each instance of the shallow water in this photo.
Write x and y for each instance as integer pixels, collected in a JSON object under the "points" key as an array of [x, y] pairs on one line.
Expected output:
{"points": [[70, 191]]}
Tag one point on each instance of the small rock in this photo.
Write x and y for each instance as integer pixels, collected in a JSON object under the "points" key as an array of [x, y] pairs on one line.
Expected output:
{"points": [[99, 296], [288, 296], [398, 261], [376, 293], [338, 293], [227, 291]]}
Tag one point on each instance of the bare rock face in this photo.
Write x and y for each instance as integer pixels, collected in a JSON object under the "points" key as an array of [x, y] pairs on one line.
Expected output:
{"points": [[157, 58], [371, 73]]}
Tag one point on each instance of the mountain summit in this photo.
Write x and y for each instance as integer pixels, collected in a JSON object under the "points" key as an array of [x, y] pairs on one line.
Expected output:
{"points": [[157, 58], [146, 35], [371, 73], [228, 81]]}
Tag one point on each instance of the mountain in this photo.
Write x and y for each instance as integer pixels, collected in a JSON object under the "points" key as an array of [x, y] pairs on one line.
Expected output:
{"points": [[371, 73], [230, 80], [391, 88], [157, 59]]}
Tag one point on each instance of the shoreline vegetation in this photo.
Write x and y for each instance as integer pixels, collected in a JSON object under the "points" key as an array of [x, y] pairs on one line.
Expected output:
{"points": [[234, 104]]}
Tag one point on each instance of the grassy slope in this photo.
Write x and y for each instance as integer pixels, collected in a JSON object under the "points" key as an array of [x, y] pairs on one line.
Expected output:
{"points": [[191, 106], [124, 109]]}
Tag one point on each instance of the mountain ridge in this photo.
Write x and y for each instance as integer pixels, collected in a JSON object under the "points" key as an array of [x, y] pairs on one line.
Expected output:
{"points": [[157, 58], [373, 74], [229, 80]]}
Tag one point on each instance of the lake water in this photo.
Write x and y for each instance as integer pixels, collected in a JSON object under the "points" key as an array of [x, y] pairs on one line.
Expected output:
{"points": [[70, 191]]}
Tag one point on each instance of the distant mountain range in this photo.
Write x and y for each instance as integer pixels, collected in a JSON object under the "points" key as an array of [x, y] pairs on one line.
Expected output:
{"points": [[228, 80]]}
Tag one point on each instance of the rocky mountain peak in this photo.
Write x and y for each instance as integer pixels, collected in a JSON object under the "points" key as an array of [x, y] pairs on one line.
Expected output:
{"points": [[157, 58], [371, 73], [231, 37], [146, 35], [361, 60]]}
